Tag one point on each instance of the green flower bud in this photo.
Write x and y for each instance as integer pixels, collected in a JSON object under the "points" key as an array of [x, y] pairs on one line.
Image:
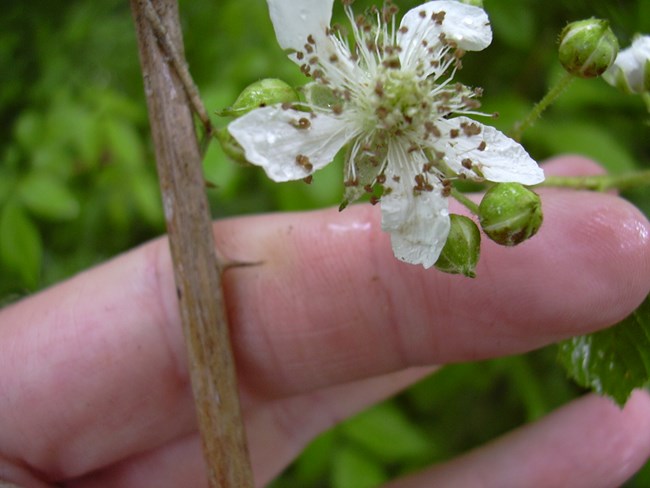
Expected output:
{"points": [[461, 251], [587, 48], [231, 147], [269, 91], [631, 70], [510, 213]]}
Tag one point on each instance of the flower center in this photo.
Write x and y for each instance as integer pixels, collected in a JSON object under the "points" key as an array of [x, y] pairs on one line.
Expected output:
{"points": [[399, 101]]}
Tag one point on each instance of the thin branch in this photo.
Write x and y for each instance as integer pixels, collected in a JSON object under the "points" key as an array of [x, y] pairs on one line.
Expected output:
{"points": [[196, 269], [179, 64]]}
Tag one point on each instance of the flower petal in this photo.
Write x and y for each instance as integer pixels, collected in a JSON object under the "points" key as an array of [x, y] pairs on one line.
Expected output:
{"points": [[631, 70], [495, 156], [421, 27], [417, 221], [294, 21], [289, 144]]}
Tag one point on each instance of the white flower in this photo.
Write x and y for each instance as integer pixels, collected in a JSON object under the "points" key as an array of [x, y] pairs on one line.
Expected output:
{"points": [[631, 70], [390, 96]]}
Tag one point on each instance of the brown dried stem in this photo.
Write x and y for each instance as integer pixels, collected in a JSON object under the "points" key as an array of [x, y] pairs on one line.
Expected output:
{"points": [[197, 274]]}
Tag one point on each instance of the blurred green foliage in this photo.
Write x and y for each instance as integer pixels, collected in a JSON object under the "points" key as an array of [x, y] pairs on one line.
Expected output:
{"points": [[78, 183]]}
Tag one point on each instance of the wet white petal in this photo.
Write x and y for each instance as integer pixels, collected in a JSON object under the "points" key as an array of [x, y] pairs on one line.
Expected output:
{"points": [[418, 223], [294, 21], [500, 159], [466, 25], [271, 138]]}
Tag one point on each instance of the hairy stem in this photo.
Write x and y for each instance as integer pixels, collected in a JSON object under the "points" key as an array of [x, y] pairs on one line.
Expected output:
{"points": [[541, 106], [600, 182]]}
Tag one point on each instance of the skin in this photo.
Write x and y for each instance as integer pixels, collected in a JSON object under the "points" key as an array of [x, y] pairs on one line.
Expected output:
{"points": [[94, 379]]}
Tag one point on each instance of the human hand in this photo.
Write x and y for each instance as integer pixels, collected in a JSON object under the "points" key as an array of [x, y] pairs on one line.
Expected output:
{"points": [[93, 378]]}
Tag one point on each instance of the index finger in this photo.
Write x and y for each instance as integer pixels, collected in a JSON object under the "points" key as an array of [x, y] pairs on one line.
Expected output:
{"points": [[94, 370]]}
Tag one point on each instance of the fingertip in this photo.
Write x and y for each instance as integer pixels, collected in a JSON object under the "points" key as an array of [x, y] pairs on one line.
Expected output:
{"points": [[572, 165]]}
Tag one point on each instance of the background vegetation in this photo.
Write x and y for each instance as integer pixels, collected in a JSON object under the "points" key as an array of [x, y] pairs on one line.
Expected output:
{"points": [[78, 183]]}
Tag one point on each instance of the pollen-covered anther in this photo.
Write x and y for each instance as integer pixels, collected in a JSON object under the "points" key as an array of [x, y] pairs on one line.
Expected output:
{"points": [[438, 17], [381, 179], [431, 128], [304, 162], [482, 146], [454, 133], [391, 63], [467, 163], [301, 123], [422, 184], [428, 167], [351, 182], [470, 129], [470, 103]]}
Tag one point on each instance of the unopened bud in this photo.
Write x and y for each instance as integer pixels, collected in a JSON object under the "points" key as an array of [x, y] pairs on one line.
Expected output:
{"points": [[461, 252], [269, 91], [587, 48], [631, 70], [510, 213]]}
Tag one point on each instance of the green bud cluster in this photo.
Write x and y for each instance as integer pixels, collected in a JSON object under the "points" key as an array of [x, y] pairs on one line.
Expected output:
{"points": [[587, 48], [461, 251], [510, 213]]}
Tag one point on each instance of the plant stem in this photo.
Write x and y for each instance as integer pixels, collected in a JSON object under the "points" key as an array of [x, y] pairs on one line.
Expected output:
{"points": [[180, 66], [196, 269], [542, 105], [465, 201], [600, 182]]}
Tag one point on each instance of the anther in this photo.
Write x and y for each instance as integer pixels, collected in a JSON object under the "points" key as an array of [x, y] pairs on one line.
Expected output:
{"points": [[304, 162], [302, 123]]}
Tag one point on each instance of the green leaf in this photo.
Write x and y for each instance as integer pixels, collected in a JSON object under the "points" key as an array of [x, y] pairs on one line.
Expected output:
{"points": [[613, 361], [21, 249], [352, 468], [314, 462], [386, 432], [47, 197]]}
